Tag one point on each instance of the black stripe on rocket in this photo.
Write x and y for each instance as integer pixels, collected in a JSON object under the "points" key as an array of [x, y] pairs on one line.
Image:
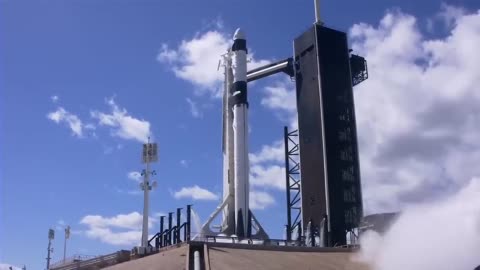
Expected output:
{"points": [[239, 88]]}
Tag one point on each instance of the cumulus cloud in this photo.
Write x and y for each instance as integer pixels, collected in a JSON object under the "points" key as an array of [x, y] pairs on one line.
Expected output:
{"points": [[54, 98], [106, 235], [267, 164], [260, 200], [281, 97], [436, 227], [125, 221], [71, 120], [106, 229], [274, 152], [196, 193], [123, 125], [196, 60], [135, 176], [418, 113], [272, 176]]}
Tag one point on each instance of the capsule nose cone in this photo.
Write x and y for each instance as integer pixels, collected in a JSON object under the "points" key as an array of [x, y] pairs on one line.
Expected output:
{"points": [[239, 34]]}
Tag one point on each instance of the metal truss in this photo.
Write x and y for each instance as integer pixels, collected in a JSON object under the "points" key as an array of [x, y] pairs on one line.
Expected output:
{"points": [[292, 181]]}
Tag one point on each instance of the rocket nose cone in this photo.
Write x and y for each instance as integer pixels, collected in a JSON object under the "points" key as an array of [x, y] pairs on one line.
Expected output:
{"points": [[239, 34]]}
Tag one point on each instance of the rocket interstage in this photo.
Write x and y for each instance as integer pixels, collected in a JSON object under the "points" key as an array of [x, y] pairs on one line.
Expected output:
{"points": [[237, 217]]}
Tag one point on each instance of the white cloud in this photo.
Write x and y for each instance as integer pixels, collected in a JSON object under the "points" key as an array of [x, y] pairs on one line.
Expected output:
{"points": [[72, 121], [268, 176], [274, 152], [106, 235], [106, 229], [54, 98], [195, 193], [196, 60], [89, 126], [132, 220], [260, 200], [280, 96], [135, 176], [6, 266], [123, 125], [167, 55], [432, 223], [267, 166], [194, 108], [417, 114]]}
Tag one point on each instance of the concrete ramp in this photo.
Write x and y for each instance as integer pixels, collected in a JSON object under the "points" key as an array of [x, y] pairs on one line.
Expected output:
{"points": [[170, 259], [248, 259], [221, 256]]}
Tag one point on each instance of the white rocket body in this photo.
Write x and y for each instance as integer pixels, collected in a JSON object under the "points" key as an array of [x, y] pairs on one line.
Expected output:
{"points": [[240, 133], [236, 215]]}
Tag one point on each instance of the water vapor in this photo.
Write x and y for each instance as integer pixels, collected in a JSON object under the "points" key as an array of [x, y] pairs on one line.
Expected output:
{"points": [[444, 235]]}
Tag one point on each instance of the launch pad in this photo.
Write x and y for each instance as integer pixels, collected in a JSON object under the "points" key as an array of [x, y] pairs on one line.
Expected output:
{"points": [[212, 256], [322, 173], [328, 199]]}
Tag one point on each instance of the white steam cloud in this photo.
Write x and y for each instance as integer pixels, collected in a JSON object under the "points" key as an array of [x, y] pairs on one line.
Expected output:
{"points": [[444, 235]]}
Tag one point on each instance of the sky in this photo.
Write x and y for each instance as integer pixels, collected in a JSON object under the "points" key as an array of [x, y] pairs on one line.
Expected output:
{"points": [[84, 83]]}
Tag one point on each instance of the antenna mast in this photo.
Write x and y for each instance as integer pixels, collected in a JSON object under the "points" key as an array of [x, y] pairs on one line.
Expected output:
{"points": [[51, 236], [149, 155], [317, 11]]}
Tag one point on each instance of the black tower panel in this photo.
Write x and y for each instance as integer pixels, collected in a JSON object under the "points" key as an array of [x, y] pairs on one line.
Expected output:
{"points": [[328, 140]]}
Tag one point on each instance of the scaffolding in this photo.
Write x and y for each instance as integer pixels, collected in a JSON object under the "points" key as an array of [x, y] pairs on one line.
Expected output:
{"points": [[292, 182]]}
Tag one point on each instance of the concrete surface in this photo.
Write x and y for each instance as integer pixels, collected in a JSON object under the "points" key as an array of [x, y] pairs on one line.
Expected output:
{"points": [[222, 256], [249, 259], [172, 259]]}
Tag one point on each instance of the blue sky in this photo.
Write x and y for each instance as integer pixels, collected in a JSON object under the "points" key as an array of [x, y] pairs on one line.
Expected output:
{"points": [[121, 70]]}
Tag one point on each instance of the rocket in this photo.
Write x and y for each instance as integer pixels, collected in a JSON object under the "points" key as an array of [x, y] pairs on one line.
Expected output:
{"points": [[237, 219], [240, 134]]}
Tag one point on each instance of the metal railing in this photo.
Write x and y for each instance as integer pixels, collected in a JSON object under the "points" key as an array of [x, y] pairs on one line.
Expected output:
{"points": [[99, 261], [248, 241]]}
